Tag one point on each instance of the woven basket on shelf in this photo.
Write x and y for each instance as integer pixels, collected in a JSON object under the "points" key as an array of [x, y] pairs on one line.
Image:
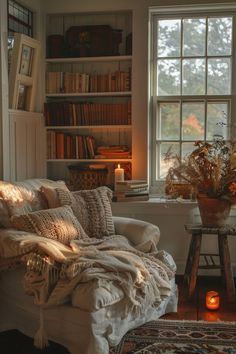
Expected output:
{"points": [[80, 178]]}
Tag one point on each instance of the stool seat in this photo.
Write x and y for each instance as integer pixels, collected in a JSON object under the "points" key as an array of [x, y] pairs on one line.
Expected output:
{"points": [[223, 257]]}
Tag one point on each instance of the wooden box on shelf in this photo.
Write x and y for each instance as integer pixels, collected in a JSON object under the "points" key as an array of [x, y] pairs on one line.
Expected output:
{"points": [[93, 40], [85, 177]]}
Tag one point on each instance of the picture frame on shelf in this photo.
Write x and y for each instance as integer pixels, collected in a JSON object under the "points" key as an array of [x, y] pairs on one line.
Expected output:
{"points": [[26, 60], [23, 72]]}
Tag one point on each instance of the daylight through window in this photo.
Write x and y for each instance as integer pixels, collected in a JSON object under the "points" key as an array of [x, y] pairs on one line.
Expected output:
{"points": [[191, 80]]}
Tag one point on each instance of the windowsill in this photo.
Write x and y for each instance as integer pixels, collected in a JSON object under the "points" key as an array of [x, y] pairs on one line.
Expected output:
{"points": [[161, 206], [153, 199]]}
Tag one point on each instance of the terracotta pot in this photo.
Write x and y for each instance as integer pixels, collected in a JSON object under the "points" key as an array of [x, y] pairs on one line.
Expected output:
{"points": [[213, 211]]}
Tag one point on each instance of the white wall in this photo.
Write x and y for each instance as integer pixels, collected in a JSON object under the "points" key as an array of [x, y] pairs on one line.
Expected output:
{"points": [[5, 141]]}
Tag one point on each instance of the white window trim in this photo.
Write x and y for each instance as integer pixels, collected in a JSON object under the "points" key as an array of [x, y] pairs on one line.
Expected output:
{"points": [[157, 187]]}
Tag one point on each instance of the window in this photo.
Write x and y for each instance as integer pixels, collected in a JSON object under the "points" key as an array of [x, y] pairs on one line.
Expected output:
{"points": [[20, 19], [191, 82]]}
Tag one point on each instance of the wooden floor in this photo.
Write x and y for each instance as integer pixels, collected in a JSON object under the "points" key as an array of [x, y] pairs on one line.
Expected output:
{"points": [[194, 309], [15, 343]]}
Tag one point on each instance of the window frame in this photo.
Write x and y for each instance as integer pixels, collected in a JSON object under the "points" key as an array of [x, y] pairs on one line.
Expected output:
{"points": [[28, 24], [157, 185]]}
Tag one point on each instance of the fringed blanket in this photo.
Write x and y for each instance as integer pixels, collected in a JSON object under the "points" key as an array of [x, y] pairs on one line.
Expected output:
{"points": [[54, 271], [144, 278]]}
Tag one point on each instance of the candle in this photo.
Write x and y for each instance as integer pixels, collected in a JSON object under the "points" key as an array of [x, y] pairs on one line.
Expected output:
{"points": [[212, 300], [119, 174]]}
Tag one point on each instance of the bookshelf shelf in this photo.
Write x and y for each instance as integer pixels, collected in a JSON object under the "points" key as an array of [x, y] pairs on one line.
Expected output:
{"points": [[91, 127], [89, 160], [90, 59], [88, 91], [91, 94]]}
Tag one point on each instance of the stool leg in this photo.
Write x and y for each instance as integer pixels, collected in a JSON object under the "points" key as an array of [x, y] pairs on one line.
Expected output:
{"points": [[191, 269], [226, 268]]}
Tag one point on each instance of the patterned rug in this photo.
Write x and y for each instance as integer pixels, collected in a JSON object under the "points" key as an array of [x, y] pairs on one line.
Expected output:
{"points": [[175, 337]]}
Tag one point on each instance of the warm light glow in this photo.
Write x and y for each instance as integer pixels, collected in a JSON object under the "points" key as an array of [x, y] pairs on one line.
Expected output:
{"points": [[118, 165], [212, 300]]}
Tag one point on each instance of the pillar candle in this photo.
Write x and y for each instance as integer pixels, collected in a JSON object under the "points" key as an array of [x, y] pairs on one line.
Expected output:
{"points": [[119, 174]]}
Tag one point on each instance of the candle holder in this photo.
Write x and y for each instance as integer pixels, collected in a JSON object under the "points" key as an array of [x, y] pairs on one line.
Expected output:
{"points": [[212, 300]]}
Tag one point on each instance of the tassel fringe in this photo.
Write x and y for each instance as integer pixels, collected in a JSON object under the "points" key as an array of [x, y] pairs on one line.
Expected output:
{"points": [[40, 338]]}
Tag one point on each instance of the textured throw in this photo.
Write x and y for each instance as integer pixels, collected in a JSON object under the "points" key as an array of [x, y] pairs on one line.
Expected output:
{"points": [[175, 337], [144, 279]]}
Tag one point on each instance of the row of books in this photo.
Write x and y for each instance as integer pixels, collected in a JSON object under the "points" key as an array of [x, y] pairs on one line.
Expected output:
{"points": [[73, 146], [87, 113], [131, 190], [67, 82], [68, 146]]}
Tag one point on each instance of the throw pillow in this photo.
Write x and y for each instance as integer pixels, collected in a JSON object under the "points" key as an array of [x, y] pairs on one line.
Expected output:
{"points": [[59, 224], [50, 194], [91, 207], [15, 199], [93, 210], [23, 197]]}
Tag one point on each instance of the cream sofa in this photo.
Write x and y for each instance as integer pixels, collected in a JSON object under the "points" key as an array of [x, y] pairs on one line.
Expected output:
{"points": [[100, 306]]}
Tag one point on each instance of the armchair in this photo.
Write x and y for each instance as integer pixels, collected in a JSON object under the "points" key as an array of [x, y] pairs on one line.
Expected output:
{"points": [[103, 302]]}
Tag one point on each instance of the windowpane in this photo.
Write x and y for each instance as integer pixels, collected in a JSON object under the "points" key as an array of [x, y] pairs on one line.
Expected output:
{"points": [[219, 36], [194, 76], [217, 120], [219, 76], [187, 148], [193, 121], [169, 121], [168, 82], [194, 36], [19, 18], [168, 38], [165, 165]]}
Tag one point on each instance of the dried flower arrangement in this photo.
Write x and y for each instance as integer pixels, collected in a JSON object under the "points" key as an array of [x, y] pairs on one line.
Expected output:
{"points": [[209, 169]]}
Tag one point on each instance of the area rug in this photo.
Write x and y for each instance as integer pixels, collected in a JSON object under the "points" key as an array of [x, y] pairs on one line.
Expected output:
{"points": [[175, 337]]}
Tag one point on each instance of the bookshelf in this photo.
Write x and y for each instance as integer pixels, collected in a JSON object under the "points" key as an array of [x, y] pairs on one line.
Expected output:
{"points": [[88, 90]]}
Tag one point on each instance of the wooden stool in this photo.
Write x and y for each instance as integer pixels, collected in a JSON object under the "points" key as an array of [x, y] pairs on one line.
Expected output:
{"points": [[192, 265]]}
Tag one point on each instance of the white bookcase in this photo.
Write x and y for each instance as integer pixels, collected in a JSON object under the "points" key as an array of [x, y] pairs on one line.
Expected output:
{"points": [[89, 96]]}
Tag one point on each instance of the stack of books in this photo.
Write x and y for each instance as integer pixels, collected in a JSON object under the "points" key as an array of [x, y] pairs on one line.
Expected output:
{"points": [[113, 152], [131, 190]]}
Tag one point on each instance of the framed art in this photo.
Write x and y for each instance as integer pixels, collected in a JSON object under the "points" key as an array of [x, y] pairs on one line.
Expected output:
{"points": [[23, 72], [26, 60]]}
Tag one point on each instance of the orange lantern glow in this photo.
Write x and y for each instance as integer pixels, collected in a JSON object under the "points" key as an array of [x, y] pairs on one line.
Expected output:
{"points": [[212, 300]]}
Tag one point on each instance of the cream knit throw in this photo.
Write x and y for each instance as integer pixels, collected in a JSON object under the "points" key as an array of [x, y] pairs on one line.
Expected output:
{"points": [[144, 279]]}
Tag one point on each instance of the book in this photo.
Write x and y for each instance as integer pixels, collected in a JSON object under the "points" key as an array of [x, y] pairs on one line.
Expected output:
{"points": [[132, 187], [132, 182], [137, 197]]}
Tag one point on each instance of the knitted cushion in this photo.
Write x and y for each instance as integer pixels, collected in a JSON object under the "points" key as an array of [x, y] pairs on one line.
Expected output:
{"points": [[91, 207], [16, 199], [51, 194], [59, 224], [93, 210], [23, 197]]}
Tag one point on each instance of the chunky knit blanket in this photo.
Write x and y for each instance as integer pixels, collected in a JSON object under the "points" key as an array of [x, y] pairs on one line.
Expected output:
{"points": [[144, 278], [55, 270]]}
